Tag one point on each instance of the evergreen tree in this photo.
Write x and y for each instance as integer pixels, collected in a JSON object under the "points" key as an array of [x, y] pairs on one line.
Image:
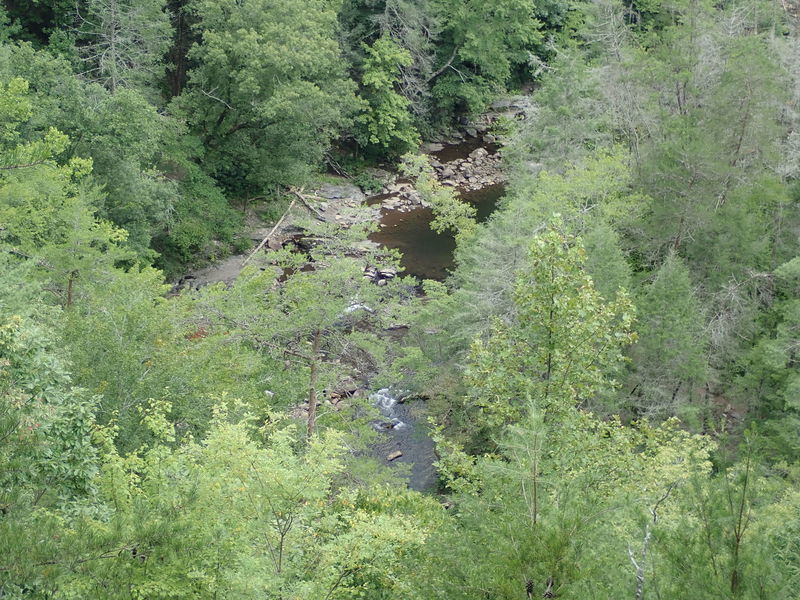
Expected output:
{"points": [[124, 42], [669, 359]]}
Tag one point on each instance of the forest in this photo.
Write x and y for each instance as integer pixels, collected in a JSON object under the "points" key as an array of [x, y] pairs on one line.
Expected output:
{"points": [[399, 299]]}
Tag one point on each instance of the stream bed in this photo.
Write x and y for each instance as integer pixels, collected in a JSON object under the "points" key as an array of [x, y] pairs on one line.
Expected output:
{"points": [[426, 255], [403, 431]]}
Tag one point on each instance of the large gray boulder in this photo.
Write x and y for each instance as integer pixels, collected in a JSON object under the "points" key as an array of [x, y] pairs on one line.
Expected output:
{"points": [[341, 191]]}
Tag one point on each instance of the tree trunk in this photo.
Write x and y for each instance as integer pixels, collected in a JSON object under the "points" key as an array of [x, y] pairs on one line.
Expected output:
{"points": [[70, 286], [182, 41], [312, 385]]}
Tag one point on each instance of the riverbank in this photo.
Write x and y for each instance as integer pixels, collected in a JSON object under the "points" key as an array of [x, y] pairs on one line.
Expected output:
{"points": [[468, 160]]}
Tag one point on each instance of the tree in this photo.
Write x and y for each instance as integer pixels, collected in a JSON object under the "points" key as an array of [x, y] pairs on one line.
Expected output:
{"points": [[480, 46], [48, 210], [322, 323], [414, 27], [561, 501], [669, 359], [237, 514], [771, 379], [605, 261], [490, 257], [142, 158], [268, 91], [385, 121], [451, 213], [564, 346], [124, 42], [727, 536], [40, 21], [47, 459]]}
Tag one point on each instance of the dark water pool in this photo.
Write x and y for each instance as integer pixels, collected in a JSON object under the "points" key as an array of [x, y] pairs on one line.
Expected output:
{"points": [[454, 151], [427, 254]]}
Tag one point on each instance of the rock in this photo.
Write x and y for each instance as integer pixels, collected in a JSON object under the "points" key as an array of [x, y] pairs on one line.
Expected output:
{"points": [[346, 387], [394, 455], [366, 245], [479, 153], [379, 174], [448, 172], [515, 103], [489, 138], [259, 234], [431, 147], [341, 191], [501, 104], [471, 132]]}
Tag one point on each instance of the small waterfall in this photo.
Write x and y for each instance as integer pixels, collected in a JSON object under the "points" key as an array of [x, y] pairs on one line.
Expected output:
{"points": [[387, 402]]}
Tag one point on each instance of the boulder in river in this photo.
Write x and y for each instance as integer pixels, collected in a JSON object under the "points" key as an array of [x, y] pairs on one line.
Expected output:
{"points": [[479, 153], [341, 191], [394, 455]]}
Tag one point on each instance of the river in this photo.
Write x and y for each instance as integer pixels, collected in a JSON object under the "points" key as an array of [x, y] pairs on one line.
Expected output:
{"points": [[426, 255]]}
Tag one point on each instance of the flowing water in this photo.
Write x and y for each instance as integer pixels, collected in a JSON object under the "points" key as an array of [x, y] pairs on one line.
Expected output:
{"points": [[404, 432], [426, 255]]}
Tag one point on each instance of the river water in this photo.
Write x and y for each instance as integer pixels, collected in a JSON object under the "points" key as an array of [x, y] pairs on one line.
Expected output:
{"points": [[426, 255], [403, 430]]}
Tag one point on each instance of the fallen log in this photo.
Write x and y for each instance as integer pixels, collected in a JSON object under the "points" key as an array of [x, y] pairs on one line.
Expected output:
{"points": [[313, 210], [269, 235]]}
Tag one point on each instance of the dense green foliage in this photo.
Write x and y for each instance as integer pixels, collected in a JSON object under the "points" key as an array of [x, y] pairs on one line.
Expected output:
{"points": [[611, 371]]}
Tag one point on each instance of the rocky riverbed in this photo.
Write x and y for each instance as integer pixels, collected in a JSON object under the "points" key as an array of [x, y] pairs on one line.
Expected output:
{"points": [[467, 160], [481, 168]]}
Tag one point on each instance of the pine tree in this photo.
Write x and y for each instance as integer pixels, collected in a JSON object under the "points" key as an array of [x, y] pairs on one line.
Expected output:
{"points": [[125, 42], [669, 359]]}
